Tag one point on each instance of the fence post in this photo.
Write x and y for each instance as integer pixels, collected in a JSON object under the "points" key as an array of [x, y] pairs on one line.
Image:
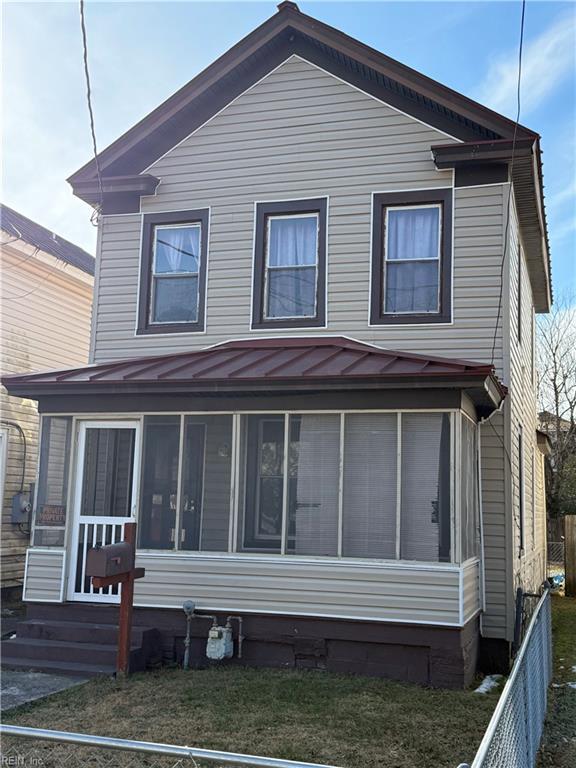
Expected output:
{"points": [[570, 555]]}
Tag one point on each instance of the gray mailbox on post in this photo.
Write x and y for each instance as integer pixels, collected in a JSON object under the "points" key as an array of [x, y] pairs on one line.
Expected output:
{"points": [[110, 560]]}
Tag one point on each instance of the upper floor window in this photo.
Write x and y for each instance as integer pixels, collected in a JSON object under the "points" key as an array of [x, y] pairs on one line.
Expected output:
{"points": [[173, 276], [290, 264], [411, 254]]}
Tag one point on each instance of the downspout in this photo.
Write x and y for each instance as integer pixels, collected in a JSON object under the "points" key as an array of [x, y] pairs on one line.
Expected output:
{"points": [[482, 559]]}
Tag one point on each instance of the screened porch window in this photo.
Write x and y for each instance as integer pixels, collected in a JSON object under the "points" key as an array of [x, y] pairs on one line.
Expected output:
{"points": [[374, 485], [186, 483], [50, 513]]}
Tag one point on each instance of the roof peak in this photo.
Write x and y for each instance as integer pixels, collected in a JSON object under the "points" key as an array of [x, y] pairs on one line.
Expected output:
{"points": [[287, 5]]}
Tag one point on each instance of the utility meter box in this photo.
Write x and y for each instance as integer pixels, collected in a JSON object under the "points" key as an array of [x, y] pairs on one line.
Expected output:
{"points": [[220, 644], [21, 508], [110, 560]]}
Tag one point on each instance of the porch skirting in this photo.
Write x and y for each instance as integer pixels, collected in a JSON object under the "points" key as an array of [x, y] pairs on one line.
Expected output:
{"points": [[443, 657]]}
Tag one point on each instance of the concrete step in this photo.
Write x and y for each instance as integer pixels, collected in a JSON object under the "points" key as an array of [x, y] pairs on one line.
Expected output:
{"points": [[33, 649], [70, 669]]}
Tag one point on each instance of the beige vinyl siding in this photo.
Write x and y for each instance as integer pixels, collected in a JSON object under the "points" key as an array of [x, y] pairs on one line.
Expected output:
{"points": [[45, 321], [44, 575], [529, 565], [260, 585], [494, 621], [471, 590], [303, 133]]}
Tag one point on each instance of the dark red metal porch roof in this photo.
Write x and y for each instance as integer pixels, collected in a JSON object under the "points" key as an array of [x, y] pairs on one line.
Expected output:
{"points": [[235, 363]]}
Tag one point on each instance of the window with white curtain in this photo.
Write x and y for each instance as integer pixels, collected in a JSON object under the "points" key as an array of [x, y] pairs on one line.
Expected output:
{"points": [[173, 270], [175, 274], [412, 259], [289, 281], [291, 266]]}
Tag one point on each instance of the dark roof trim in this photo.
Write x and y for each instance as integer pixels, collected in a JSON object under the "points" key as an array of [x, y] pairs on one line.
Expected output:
{"points": [[290, 31], [121, 193], [491, 151], [527, 182], [22, 228]]}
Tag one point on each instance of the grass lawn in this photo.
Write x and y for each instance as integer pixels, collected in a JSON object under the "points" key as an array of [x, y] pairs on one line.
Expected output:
{"points": [[352, 722], [559, 742]]}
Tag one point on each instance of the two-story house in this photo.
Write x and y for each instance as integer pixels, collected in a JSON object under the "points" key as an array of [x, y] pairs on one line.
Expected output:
{"points": [[312, 367]]}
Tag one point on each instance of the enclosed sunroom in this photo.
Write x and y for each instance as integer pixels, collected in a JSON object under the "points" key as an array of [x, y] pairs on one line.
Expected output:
{"points": [[320, 488]]}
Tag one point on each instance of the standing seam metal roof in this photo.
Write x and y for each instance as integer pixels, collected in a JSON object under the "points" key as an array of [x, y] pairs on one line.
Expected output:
{"points": [[273, 360]]}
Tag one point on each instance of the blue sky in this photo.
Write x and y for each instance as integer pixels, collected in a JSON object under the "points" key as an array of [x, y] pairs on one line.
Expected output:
{"points": [[141, 52]]}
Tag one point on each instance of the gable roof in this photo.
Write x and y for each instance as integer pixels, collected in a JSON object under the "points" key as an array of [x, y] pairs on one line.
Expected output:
{"points": [[22, 228], [288, 32], [302, 363]]}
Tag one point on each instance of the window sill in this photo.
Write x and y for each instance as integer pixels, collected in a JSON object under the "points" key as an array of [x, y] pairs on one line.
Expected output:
{"points": [[407, 319], [170, 328], [305, 322]]}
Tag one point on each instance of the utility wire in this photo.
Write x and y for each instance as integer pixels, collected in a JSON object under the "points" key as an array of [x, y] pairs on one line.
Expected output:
{"points": [[94, 217], [508, 207], [518, 522]]}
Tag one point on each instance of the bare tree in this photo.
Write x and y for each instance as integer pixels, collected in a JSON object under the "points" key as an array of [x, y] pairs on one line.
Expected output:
{"points": [[556, 363]]}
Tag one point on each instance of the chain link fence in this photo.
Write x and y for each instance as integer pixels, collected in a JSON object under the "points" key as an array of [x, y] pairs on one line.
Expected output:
{"points": [[24, 747], [515, 730], [556, 553]]}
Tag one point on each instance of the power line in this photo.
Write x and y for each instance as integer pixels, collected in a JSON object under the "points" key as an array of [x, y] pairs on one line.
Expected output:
{"points": [[94, 216], [503, 261], [518, 523]]}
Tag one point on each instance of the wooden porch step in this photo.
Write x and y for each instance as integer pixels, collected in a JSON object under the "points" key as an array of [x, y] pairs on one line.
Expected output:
{"points": [[77, 647], [77, 631]]}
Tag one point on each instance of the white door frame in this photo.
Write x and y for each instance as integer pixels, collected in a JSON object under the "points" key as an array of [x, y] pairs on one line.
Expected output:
{"points": [[77, 518]]}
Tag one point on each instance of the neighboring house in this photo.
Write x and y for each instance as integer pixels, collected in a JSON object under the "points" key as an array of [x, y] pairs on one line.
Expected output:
{"points": [[46, 299], [293, 384]]}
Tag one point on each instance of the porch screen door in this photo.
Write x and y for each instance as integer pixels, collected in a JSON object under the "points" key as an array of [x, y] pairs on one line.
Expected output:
{"points": [[104, 499]]}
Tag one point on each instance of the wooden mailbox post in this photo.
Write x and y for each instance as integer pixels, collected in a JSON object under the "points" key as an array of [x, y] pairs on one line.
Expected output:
{"points": [[114, 564]]}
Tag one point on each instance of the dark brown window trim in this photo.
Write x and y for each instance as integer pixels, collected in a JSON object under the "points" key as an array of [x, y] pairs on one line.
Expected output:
{"points": [[151, 220], [424, 197], [263, 210]]}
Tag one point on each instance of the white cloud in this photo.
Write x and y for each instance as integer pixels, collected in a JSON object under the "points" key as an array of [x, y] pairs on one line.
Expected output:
{"points": [[546, 60], [566, 194]]}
